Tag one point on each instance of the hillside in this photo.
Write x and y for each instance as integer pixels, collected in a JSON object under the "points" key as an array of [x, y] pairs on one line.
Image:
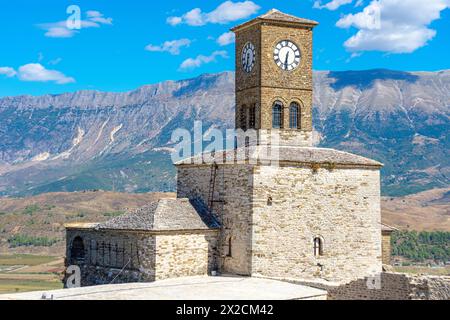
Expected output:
{"points": [[118, 141], [43, 216], [425, 211]]}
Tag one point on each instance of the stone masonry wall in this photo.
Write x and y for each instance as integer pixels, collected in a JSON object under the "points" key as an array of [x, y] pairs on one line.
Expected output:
{"points": [[107, 253], [141, 256], [341, 206], [232, 207], [394, 286], [386, 246], [183, 255], [267, 83]]}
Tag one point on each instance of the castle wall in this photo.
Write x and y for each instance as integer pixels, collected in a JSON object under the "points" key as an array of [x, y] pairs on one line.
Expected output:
{"points": [[107, 253], [132, 256], [341, 206], [183, 255], [394, 286], [233, 187]]}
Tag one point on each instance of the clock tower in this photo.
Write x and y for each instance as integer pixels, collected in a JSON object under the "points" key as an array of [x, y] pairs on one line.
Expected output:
{"points": [[274, 77]]}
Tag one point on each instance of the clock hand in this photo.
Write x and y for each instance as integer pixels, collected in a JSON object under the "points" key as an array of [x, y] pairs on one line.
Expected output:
{"points": [[286, 61]]}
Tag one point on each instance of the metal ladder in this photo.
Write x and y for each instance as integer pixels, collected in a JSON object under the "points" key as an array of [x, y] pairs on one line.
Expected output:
{"points": [[212, 184]]}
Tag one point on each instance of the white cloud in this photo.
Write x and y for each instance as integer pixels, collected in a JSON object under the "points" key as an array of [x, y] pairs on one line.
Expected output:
{"points": [[173, 21], [227, 12], [94, 19], [8, 71], [173, 47], [37, 72], [55, 61], [200, 60], [393, 26], [226, 38], [97, 16], [332, 5]]}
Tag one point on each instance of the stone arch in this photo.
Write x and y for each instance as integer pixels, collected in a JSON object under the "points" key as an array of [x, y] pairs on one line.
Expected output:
{"points": [[318, 246], [301, 108], [77, 250], [277, 114]]}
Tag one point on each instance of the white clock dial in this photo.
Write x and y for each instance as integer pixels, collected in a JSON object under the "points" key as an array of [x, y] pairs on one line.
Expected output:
{"points": [[248, 57], [287, 55]]}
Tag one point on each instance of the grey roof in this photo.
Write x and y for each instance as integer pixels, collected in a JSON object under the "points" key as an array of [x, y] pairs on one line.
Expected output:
{"points": [[300, 155], [165, 215], [275, 15]]}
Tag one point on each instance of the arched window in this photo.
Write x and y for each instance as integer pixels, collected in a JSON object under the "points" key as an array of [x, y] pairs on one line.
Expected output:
{"points": [[77, 250], [243, 117], [294, 116], [318, 246], [252, 117], [277, 115]]}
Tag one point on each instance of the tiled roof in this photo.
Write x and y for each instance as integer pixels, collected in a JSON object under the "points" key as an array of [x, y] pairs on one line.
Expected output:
{"points": [[276, 15], [165, 215], [291, 154]]}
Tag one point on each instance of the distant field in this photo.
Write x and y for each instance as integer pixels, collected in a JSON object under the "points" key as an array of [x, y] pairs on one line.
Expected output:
{"points": [[444, 271], [24, 259], [22, 273]]}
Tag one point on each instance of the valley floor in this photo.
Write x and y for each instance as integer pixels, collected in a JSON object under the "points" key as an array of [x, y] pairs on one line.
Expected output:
{"points": [[25, 273]]}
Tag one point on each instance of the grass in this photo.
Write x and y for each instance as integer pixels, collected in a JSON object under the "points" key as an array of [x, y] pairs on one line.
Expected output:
{"points": [[444, 271], [24, 259], [15, 286], [15, 282]]}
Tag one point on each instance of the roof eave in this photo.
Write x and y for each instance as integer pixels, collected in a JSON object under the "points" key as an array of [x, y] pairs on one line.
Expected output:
{"points": [[256, 21]]}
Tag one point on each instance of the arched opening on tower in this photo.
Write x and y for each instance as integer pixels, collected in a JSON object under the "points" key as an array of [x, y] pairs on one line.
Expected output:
{"points": [[277, 115], [294, 116]]}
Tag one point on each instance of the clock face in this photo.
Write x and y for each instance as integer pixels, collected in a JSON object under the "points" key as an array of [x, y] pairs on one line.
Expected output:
{"points": [[287, 55], [248, 57]]}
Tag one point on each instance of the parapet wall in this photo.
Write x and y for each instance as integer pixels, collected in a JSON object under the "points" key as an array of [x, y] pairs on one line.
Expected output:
{"points": [[394, 286]]}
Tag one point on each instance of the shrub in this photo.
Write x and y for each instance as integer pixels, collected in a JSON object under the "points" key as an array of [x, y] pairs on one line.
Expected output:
{"points": [[421, 246], [113, 214], [30, 241], [29, 210]]}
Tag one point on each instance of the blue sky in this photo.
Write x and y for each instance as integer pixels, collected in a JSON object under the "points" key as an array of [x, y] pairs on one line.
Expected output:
{"points": [[123, 45]]}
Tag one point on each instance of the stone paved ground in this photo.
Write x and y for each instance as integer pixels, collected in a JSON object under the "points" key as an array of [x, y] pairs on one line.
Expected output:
{"points": [[191, 288]]}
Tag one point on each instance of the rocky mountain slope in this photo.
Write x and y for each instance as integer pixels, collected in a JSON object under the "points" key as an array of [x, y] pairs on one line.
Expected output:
{"points": [[119, 141]]}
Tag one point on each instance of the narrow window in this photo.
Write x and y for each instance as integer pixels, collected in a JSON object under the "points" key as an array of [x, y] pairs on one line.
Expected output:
{"points": [[318, 246], [277, 115], [229, 253], [294, 116], [252, 117]]}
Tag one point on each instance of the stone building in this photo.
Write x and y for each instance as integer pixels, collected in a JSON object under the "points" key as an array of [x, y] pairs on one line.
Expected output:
{"points": [[285, 210], [165, 239], [386, 235]]}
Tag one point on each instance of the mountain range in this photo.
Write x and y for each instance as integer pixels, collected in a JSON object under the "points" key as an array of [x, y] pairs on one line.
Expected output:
{"points": [[121, 141]]}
